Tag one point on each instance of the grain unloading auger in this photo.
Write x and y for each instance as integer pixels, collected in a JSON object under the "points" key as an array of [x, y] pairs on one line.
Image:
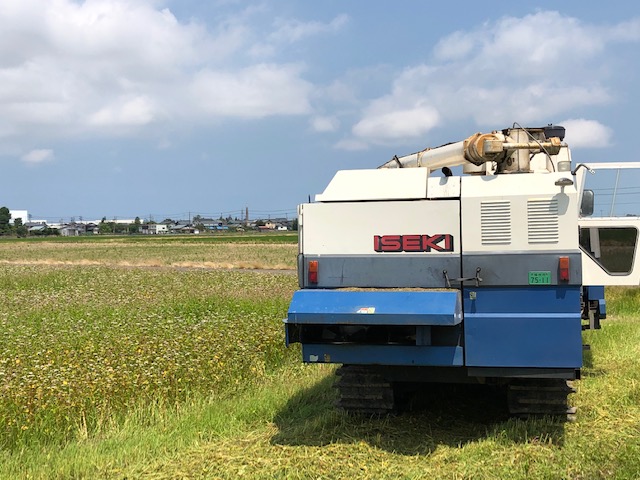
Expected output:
{"points": [[510, 150], [484, 276]]}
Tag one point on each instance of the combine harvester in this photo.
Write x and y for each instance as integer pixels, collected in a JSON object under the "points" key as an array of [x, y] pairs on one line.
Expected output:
{"points": [[488, 276]]}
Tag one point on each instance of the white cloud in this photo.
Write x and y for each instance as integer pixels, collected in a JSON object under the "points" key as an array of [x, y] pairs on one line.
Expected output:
{"points": [[582, 133], [127, 112], [527, 69], [114, 67], [351, 144], [455, 46], [396, 124], [35, 157], [290, 31], [254, 92], [325, 124], [628, 31]]}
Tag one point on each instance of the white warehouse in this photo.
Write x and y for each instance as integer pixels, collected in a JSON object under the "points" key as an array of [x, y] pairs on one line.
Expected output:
{"points": [[21, 214]]}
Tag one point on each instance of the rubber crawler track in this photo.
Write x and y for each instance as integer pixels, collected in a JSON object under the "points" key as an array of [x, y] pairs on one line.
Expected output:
{"points": [[540, 396], [363, 391]]}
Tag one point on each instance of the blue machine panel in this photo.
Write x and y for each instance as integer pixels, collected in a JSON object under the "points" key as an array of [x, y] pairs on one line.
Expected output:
{"points": [[383, 355], [376, 307], [597, 293], [523, 327]]}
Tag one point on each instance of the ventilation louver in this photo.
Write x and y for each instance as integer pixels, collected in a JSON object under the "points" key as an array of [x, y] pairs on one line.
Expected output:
{"points": [[495, 221], [542, 221]]}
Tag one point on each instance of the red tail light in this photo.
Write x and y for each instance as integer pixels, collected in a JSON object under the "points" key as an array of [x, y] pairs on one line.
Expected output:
{"points": [[313, 271], [563, 269]]}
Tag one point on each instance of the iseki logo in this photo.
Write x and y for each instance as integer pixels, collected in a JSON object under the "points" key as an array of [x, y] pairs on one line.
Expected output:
{"points": [[413, 243]]}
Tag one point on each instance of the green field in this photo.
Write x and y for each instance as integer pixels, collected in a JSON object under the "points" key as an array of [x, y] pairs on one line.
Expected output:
{"points": [[164, 358]]}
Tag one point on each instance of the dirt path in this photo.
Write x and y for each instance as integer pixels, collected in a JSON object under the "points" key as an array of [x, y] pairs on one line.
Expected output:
{"points": [[180, 266]]}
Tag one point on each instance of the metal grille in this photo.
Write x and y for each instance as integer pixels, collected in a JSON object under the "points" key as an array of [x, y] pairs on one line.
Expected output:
{"points": [[495, 221], [542, 221]]}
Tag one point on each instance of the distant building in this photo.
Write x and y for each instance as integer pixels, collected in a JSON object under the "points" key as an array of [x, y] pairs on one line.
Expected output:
{"points": [[153, 228], [75, 229], [72, 230], [36, 227], [21, 214], [91, 227], [182, 226]]}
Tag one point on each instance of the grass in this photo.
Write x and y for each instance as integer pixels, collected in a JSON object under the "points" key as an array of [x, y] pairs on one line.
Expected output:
{"points": [[235, 403], [83, 345]]}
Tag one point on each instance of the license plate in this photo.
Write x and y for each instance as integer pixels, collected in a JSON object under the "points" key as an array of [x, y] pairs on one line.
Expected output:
{"points": [[539, 278]]}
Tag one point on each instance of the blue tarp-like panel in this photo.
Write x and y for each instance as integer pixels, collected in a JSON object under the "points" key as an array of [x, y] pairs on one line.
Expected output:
{"points": [[376, 307]]}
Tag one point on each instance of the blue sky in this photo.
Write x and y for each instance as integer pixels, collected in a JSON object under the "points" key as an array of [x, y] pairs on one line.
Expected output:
{"points": [[154, 108]]}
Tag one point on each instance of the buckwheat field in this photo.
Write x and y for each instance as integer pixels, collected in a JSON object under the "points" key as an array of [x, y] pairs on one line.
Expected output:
{"points": [[163, 358], [89, 330]]}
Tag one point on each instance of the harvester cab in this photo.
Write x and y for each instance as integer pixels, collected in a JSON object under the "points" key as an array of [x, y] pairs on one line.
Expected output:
{"points": [[608, 235]]}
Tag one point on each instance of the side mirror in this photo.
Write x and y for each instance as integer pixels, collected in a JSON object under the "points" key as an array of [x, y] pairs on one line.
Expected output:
{"points": [[586, 208]]}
